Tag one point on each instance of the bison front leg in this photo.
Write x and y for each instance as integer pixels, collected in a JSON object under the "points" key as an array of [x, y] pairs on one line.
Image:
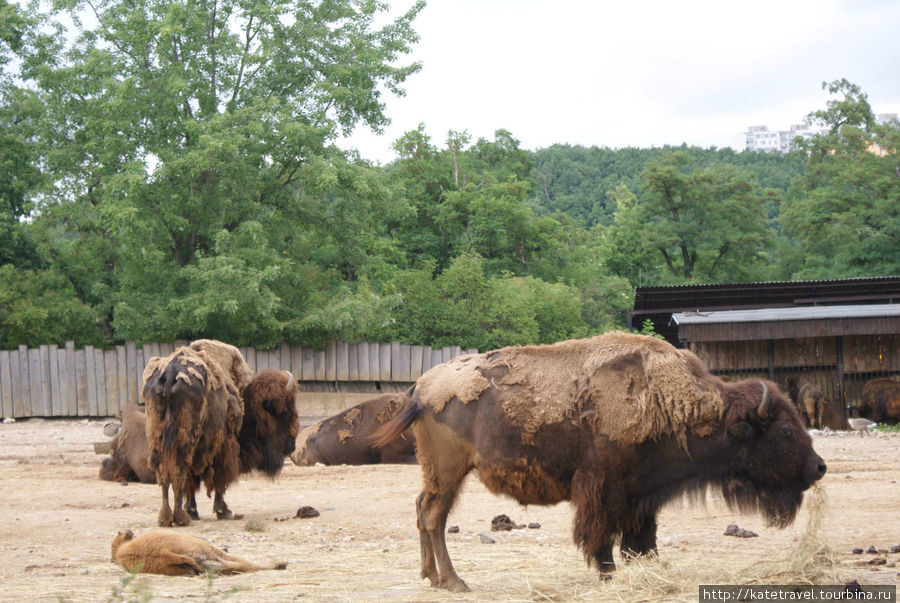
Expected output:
{"points": [[164, 519], [180, 516], [639, 538], [433, 512], [593, 530]]}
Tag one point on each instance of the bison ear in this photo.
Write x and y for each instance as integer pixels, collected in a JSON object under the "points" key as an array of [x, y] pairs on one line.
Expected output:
{"points": [[741, 431]]}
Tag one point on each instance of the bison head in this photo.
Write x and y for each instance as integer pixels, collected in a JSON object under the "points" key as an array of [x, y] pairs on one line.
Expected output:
{"points": [[271, 423], [769, 456]]}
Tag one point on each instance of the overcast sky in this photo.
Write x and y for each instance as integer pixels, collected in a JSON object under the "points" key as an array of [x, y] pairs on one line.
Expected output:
{"points": [[640, 74]]}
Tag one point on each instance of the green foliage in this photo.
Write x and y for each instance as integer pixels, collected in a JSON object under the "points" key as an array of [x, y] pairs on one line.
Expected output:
{"points": [[464, 306], [40, 307], [844, 214]]}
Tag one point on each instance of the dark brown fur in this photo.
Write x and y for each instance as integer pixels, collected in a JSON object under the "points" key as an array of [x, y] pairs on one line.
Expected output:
{"points": [[172, 554], [617, 486], [881, 401], [809, 399], [268, 433], [194, 414], [344, 438]]}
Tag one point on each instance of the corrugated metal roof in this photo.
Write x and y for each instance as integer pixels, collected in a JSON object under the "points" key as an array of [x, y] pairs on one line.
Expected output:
{"points": [[774, 314]]}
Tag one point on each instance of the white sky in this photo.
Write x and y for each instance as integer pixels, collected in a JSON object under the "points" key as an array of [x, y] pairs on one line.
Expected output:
{"points": [[638, 73]]}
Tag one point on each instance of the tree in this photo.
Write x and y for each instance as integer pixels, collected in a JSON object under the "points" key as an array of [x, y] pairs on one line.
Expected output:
{"points": [[705, 224], [844, 213], [179, 131]]}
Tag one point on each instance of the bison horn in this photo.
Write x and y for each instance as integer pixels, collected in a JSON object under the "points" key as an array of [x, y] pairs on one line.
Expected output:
{"points": [[763, 409]]}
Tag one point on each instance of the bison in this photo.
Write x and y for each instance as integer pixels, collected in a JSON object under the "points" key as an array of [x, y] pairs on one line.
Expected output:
{"points": [[127, 460], [344, 438], [172, 554], [268, 433], [881, 401], [809, 399], [194, 414], [618, 425]]}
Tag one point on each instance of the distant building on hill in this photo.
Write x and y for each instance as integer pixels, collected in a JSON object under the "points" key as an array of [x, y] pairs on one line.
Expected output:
{"points": [[760, 138]]}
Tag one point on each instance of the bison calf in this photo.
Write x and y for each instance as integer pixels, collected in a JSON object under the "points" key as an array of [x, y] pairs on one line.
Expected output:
{"points": [[618, 424]]}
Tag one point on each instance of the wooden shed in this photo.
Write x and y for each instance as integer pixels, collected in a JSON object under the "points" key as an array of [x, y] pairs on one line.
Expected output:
{"points": [[837, 334]]}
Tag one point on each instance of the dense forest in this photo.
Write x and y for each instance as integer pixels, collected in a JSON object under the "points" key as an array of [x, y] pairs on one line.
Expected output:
{"points": [[173, 171]]}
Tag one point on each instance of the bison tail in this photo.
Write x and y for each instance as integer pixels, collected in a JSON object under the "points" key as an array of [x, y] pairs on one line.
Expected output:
{"points": [[389, 432]]}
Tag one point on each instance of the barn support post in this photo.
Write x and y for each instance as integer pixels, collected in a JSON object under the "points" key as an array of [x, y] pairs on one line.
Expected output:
{"points": [[839, 352]]}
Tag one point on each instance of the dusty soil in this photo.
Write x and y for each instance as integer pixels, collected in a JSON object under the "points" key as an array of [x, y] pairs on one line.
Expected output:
{"points": [[59, 519]]}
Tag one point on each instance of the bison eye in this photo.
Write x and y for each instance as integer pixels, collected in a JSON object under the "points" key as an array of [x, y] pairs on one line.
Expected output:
{"points": [[786, 430]]}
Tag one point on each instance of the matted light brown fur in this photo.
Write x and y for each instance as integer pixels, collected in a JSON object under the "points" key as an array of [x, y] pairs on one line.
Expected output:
{"points": [[662, 394], [171, 554], [229, 358]]}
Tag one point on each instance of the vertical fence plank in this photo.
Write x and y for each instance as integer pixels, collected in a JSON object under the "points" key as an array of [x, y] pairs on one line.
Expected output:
{"points": [[284, 354], [320, 364], [110, 360], [374, 362], [121, 380], [297, 362], [66, 409], [131, 363], [38, 378], [81, 391], [416, 353], [384, 359], [25, 380], [400, 362], [353, 359], [437, 357], [166, 348], [15, 368], [71, 389], [341, 361], [100, 366], [90, 371], [309, 364], [362, 359], [43, 382], [51, 370], [6, 396], [330, 361]]}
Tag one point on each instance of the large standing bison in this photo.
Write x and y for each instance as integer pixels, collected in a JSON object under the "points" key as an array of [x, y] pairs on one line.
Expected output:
{"points": [[809, 398], [881, 400], [618, 424], [344, 439], [268, 434], [200, 429]]}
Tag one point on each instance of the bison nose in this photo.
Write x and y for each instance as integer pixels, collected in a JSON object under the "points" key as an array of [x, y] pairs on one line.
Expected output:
{"points": [[821, 469]]}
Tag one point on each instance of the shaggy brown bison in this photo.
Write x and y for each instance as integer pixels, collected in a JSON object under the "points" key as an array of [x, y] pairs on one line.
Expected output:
{"points": [[266, 421], [268, 433], [127, 460], [173, 554], [344, 439], [881, 400], [809, 399], [617, 424], [194, 414]]}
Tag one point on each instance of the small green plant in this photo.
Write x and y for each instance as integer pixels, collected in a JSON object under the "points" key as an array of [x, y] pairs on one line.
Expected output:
{"points": [[131, 590], [647, 328], [883, 428]]}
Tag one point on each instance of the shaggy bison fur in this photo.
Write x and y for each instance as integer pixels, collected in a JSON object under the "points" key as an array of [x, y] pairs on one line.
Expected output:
{"points": [[618, 425], [129, 452], [881, 401], [809, 398]]}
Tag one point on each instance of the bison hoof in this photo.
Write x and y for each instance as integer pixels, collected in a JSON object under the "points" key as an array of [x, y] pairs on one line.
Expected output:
{"points": [[192, 513], [456, 585], [164, 519], [226, 514], [182, 518]]}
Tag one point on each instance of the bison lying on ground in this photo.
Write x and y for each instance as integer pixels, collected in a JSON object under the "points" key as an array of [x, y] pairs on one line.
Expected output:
{"points": [[618, 424], [809, 399], [127, 460], [344, 438], [173, 554], [881, 401]]}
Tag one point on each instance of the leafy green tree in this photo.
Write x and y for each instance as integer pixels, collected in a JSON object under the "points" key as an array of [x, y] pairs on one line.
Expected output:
{"points": [[844, 214], [186, 135], [705, 224]]}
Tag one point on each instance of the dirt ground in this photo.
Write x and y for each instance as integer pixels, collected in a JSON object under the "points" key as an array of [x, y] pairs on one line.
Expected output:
{"points": [[59, 520]]}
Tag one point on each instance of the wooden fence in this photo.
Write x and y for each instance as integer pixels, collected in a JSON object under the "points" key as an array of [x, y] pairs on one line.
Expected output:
{"points": [[54, 381]]}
